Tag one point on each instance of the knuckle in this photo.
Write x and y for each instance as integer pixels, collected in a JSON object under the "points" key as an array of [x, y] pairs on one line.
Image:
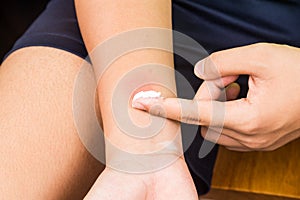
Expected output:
{"points": [[263, 52], [190, 113], [190, 119], [204, 131], [157, 110], [257, 143], [252, 128], [261, 47]]}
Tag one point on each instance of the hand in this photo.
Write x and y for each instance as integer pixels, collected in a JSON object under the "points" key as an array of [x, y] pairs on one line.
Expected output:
{"points": [[172, 182], [266, 119]]}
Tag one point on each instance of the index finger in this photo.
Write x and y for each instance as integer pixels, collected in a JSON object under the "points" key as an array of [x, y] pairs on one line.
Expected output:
{"points": [[231, 114]]}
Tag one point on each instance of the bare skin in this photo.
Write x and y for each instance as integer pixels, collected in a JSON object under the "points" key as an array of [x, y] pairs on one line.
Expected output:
{"points": [[49, 160], [268, 118], [41, 154], [100, 20]]}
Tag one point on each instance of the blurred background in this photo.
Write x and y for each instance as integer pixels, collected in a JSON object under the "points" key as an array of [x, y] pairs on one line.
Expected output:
{"points": [[15, 17]]}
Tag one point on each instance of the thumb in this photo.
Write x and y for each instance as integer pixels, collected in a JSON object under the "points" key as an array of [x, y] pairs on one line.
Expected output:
{"points": [[241, 60]]}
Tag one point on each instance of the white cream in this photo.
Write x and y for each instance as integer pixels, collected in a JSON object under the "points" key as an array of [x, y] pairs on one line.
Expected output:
{"points": [[146, 94]]}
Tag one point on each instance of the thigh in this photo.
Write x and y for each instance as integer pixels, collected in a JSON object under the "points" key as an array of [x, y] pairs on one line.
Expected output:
{"points": [[41, 155]]}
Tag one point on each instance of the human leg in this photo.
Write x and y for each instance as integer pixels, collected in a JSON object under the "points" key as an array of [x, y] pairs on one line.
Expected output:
{"points": [[42, 156]]}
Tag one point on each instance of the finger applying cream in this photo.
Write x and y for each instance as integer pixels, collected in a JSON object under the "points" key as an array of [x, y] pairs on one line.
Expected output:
{"points": [[144, 98]]}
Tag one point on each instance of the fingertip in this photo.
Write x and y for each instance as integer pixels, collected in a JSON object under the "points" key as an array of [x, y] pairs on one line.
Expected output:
{"points": [[203, 131], [143, 99], [138, 105], [199, 69], [232, 91], [145, 103], [206, 69]]}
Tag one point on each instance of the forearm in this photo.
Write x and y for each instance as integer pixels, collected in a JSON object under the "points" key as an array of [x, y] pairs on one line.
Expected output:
{"points": [[128, 71]]}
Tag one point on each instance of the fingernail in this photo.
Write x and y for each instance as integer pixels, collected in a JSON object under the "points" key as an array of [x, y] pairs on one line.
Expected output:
{"points": [[199, 68], [143, 98], [144, 102], [138, 105]]}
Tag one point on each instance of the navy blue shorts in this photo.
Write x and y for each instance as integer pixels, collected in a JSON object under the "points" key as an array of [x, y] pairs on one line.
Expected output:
{"points": [[216, 25]]}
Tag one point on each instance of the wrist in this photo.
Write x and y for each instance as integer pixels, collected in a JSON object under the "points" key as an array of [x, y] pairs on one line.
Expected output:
{"points": [[135, 155]]}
